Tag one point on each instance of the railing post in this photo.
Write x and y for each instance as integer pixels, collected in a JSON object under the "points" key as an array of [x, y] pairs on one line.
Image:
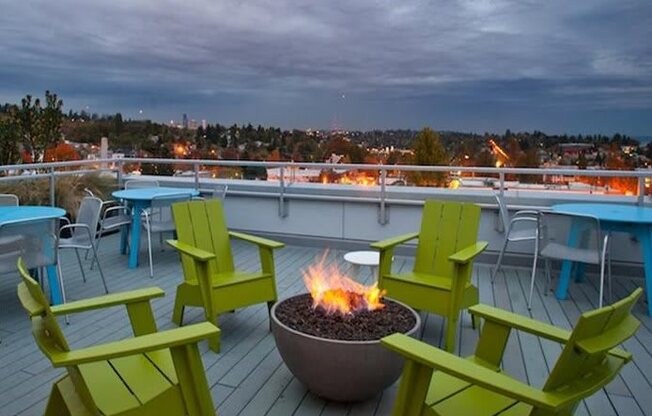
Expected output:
{"points": [[383, 209], [196, 168], [53, 184], [120, 172], [281, 200], [641, 190], [501, 179]]}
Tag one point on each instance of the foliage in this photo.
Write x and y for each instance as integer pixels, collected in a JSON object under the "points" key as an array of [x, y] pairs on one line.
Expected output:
{"points": [[428, 151], [9, 138], [38, 127], [61, 153], [69, 190]]}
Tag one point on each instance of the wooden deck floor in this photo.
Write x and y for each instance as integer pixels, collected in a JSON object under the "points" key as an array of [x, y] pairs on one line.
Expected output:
{"points": [[248, 376]]}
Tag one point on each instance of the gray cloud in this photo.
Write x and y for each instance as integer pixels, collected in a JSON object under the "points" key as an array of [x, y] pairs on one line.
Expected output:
{"points": [[465, 64]]}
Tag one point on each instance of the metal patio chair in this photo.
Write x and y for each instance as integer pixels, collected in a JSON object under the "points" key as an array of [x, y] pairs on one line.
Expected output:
{"points": [[214, 192], [114, 216], [9, 200], [588, 229], [82, 233], [513, 232], [158, 219]]}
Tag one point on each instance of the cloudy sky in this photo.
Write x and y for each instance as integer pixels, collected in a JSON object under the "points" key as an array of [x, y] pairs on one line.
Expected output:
{"points": [[581, 66]]}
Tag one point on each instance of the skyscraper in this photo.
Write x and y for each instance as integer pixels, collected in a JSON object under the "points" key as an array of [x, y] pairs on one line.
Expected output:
{"points": [[184, 123]]}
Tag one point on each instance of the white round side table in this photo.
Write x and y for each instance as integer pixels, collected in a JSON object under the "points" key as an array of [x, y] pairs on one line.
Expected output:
{"points": [[363, 258]]}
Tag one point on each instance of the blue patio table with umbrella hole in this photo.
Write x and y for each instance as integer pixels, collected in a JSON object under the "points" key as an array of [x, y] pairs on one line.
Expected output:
{"points": [[139, 199], [625, 218], [19, 219]]}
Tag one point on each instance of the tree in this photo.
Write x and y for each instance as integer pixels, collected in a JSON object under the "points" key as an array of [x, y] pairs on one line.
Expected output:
{"points": [[428, 151], [9, 139], [39, 127]]}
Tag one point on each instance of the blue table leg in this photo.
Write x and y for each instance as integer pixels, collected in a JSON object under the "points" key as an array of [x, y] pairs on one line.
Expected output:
{"points": [[644, 237], [53, 282], [124, 238], [567, 265], [139, 206]]}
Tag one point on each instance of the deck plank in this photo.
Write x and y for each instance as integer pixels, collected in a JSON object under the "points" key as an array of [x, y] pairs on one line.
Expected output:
{"points": [[248, 377]]}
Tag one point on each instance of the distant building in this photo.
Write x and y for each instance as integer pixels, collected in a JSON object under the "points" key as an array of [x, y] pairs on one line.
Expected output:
{"points": [[193, 124], [203, 124], [184, 122]]}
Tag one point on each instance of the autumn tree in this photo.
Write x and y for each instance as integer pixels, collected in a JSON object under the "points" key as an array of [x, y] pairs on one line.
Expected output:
{"points": [[39, 127]]}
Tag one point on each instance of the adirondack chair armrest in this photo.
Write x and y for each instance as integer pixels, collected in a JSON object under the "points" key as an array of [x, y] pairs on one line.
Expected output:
{"points": [[520, 322], [393, 241], [259, 241], [138, 345], [437, 359], [467, 254], [194, 252], [532, 326], [106, 301]]}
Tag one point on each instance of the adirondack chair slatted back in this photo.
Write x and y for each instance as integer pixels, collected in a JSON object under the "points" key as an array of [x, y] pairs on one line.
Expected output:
{"points": [[585, 362], [201, 224], [446, 227], [45, 328]]}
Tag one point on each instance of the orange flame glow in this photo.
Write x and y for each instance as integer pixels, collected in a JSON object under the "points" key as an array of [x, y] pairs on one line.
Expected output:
{"points": [[334, 292]]}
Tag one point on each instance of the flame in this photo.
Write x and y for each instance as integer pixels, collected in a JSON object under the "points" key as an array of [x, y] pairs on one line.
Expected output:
{"points": [[334, 292]]}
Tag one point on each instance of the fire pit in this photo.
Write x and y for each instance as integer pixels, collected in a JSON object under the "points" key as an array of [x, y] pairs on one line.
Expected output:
{"points": [[330, 338]]}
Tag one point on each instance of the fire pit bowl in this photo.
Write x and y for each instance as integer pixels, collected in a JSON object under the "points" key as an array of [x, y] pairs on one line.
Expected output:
{"points": [[335, 369]]}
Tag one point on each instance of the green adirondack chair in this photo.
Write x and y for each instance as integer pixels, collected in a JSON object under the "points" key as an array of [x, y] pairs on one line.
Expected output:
{"points": [[210, 279], [440, 282], [154, 373], [475, 386]]}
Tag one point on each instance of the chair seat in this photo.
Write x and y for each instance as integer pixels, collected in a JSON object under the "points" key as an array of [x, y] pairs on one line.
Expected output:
{"points": [[127, 383], [521, 235], [423, 279], [560, 251], [81, 242], [111, 223]]}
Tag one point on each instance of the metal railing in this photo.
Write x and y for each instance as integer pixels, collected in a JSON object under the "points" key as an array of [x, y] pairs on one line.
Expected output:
{"points": [[117, 166]]}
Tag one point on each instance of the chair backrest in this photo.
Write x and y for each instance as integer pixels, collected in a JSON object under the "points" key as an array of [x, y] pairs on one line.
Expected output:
{"points": [[9, 200], [161, 205], [141, 183], [585, 364], [202, 224], [503, 212], [446, 227], [585, 227], [45, 328], [34, 241], [219, 191], [89, 213]]}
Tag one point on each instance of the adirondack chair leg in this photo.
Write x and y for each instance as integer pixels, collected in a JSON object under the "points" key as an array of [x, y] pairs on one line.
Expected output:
{"points": [[474, 324], [415, 381], [177, 314], [56, 405], [451, 333], [192, 380], [269, 314]]}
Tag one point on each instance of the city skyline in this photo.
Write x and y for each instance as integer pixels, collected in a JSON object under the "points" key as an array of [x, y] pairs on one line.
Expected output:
{"points": [[464, 66]]}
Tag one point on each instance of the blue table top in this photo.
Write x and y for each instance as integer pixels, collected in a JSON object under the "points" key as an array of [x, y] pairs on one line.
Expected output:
{"points": [[610, 212], [147, 194], [29, 213]]}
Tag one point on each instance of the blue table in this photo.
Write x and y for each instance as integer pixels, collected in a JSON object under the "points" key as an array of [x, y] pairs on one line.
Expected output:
{"points": [[26, 213], [630, 219], [140, 199]]}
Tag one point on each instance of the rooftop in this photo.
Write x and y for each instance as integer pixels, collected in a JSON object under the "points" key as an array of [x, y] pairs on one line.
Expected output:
{"points": [[248, 376]]}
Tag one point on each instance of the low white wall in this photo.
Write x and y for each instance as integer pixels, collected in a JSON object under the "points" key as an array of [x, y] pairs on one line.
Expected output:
{"points": [[254, 206]]}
